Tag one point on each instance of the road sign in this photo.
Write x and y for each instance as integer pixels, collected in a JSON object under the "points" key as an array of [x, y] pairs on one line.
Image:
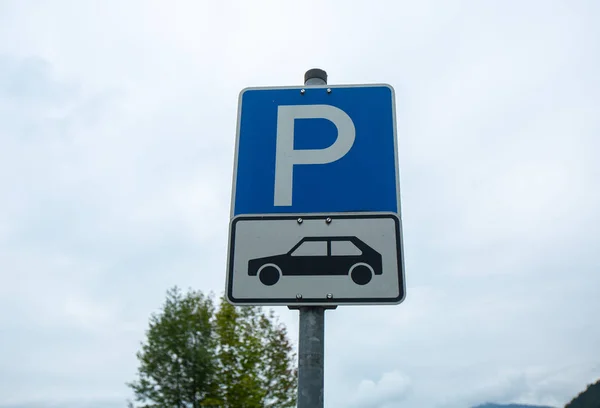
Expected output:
{"points": [[315, 199], [277, 259]]}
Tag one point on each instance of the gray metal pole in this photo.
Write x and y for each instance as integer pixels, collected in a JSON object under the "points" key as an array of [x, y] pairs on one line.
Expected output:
{"points": [[311, 347], [311, 350]]}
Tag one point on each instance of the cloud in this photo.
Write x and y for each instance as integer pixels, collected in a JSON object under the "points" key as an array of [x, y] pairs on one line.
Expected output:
{"points": [[389, 390], [116, 153]]}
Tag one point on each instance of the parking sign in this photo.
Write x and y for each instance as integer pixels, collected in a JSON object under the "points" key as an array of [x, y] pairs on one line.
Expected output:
{"points": [[315, 212]]}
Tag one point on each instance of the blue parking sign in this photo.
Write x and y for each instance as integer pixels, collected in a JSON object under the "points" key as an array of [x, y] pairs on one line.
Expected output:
{"points": [[315, 214], [316, 150]]}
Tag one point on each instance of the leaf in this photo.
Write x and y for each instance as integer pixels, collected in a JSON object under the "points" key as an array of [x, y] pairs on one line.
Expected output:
{"points": [[196, 356]]}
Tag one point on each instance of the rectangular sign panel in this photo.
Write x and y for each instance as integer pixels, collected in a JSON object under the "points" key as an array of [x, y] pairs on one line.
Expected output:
{"points": [[343, 259], [316, 151]]}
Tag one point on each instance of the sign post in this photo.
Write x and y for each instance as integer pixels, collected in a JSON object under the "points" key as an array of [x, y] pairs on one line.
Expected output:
{"points": [[315, 211], [311, 335]]}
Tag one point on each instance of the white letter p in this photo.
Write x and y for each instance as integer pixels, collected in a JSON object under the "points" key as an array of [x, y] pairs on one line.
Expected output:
{"points": [[287, 157]]}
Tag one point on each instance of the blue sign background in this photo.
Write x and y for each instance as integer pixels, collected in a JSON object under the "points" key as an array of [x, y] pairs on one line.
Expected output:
{"points": [[362, 180]]}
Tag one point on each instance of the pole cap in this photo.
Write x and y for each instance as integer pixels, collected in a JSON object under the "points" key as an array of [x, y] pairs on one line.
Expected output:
{"points": [[315, 73]]}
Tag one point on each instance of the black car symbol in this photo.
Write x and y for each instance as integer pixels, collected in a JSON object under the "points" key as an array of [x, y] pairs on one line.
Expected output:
{"points": [[320, 256]]}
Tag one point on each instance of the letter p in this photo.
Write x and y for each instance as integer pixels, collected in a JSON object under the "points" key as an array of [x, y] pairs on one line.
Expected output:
{"points": [[287, 157]]}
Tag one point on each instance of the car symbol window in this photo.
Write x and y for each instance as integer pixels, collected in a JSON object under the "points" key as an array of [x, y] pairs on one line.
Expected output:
{"points": [[311, 248], [344, 248]]}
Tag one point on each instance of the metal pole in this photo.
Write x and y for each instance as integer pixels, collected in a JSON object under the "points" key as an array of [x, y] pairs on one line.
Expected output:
{"points": [[311, 345], [311, 350]]}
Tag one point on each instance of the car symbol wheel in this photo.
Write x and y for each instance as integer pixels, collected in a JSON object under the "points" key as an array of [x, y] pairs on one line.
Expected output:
{"points": [[361, 273], [269, 274]]}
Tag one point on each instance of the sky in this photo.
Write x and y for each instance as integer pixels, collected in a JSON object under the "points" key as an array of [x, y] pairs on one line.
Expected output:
{"points": [[117, 130]]}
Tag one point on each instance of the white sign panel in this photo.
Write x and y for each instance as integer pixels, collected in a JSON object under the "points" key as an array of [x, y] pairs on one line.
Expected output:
{"points": [[342, 259]]}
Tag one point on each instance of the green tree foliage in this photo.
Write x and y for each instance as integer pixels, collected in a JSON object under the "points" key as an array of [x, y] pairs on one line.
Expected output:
{"points": [[255, 359], [197, 356], [590, 398]]}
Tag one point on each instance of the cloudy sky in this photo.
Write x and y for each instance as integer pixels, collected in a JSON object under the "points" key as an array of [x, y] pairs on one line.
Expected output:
{"points": [[117, 126]]}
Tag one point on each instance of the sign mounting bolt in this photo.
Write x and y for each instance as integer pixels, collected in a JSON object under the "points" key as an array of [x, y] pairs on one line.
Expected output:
{"points": [[329, 296], [300, 220], [328, 90], [328, 220], [298, 296], [302, 91]]}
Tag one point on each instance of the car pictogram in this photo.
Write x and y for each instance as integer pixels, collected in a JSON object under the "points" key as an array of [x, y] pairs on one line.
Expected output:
{"points": [[320, 256]]}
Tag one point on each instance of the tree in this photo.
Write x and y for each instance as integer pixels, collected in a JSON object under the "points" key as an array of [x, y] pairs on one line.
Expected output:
{"points": [[196, 356], [255, 359], [177, 363]]}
